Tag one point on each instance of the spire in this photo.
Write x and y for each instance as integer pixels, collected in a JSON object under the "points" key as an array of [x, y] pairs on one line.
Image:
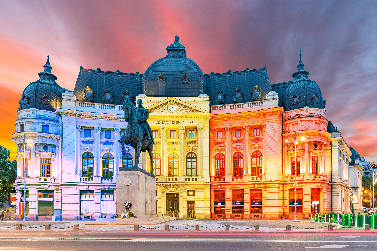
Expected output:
{"points": [[301, 73], [47, 67], [300, 66], [176, 49]]}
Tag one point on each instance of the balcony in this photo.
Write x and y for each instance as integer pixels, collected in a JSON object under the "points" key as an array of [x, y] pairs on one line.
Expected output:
{"points": [[86, 179], [303, 177], [106, 179], [179, 179]]}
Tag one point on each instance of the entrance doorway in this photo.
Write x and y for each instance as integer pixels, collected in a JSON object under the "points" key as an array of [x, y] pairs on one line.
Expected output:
{"points": [[190, 209], [172, 204], [315, 200]]}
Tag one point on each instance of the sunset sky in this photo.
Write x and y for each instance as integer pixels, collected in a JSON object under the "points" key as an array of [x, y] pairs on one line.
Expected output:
{"points": [[338, 40]]}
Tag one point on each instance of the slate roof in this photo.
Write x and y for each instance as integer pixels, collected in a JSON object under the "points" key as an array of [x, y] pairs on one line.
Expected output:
{"points": [[101, 81], [229, 82]]}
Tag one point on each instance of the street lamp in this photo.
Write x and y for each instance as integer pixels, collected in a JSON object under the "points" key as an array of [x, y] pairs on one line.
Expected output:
{"points": [[29, 141]]}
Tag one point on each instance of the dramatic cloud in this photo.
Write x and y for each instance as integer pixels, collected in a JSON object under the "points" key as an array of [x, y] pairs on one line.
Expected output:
{"points": [[337, 39]]}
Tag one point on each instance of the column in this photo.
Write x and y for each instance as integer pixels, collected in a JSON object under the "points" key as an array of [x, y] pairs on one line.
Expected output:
{"points": [[78, 169], [246, 155], [34, 167], [200, 150], [323, 158], [285, 154], [97, 164], [118, 151], [182, 170], [306, 159], [211, 155], [228, 202], [163, 149], [263, 151], [228, 161]]}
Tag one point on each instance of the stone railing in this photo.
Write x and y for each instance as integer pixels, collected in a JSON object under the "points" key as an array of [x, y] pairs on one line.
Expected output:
{"points": [[86, 179]]}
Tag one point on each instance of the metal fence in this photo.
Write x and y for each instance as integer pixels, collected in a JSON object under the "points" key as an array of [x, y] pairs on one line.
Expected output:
{"points": [[348, 220]]}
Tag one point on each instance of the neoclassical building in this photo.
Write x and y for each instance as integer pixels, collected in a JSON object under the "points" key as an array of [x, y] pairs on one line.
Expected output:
{"points": [[227, 145]]}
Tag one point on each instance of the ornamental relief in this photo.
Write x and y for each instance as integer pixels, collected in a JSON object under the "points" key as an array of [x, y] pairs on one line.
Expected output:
{"points": [[173, 105], [237, 149], [171, 188], [107, 150], [254, 147], [191, 149], [87, 149], [219, 149]]}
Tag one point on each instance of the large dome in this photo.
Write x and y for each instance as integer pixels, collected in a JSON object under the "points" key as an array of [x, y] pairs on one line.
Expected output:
{"points": [[45, 93], [174, 75], [302, 91]]}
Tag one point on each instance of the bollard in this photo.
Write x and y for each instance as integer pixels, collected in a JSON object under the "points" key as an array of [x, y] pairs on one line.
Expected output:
{"points": [[367, 227], [256, 227], [18, 226], [197, 228], [166, 227], [227, 227], [76, 227], [47, 226], [288, 227], [136, 227], [330, 227]]}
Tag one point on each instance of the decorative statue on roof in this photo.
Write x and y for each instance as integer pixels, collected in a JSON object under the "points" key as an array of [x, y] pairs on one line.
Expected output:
{"points": [[138, 133]]}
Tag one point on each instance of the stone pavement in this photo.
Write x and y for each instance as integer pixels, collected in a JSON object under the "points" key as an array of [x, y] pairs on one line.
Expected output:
{"points": [[170, 224]]}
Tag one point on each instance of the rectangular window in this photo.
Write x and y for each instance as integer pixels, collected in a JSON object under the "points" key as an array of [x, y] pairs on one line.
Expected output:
{"points": [[155, 134], [293, 166], [45, 203], [256, 201], [87, 133], [173, 134], [314, 165], [108, 134], [87, 204], [219, 201], [237, 201], [107, 206], [45, 129], [257, 131], [299, 200], [219, 135], [238, 133], [22, 129], [45, 167], [191, 134]]}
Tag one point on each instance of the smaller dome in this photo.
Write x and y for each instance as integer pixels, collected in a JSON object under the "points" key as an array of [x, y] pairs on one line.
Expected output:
{"points": [[45, 93], [302, 92]]}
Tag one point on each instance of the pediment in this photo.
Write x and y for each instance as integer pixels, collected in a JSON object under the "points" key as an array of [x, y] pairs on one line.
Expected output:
{"points": [[175, 106]]}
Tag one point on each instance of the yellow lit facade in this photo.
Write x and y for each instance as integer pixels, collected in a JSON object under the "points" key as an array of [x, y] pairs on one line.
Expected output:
{"points": [[180, 129]]}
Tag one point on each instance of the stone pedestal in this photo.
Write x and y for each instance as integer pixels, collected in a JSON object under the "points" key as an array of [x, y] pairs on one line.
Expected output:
{"points": [[138, 187]]}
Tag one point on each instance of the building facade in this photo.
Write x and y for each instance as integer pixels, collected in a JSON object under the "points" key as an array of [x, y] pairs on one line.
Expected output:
{"points": [[227, 145]]}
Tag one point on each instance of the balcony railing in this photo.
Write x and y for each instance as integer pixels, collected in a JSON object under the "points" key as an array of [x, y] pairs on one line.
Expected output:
{"points": [[86, 179]]}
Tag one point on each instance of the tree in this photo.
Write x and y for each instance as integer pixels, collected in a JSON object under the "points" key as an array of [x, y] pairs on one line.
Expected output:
{"points": [[8, 174], [367, 191]]}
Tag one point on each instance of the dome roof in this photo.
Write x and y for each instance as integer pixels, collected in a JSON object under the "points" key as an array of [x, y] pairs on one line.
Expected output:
{"points": [[45, 93], [174, 75], [302, 91]]}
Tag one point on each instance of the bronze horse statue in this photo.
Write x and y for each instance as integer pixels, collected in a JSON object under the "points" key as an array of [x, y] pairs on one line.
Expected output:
{"points": [[135, 134]]}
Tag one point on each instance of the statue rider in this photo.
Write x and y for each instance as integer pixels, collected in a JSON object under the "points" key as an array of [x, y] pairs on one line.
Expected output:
{"points": [[143, 115]]}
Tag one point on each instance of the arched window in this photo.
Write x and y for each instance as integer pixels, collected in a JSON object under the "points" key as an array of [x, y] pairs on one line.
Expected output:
{"points": [[87, 164], [127, 160], [314, 165], [220, 165], [108, 165], [173, 165], [157, 164], [256, 163], [191, 169], [293, 166], [238, 164]]}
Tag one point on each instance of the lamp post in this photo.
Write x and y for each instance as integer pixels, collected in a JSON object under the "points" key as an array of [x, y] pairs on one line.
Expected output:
{"points": [[24, 167], [302, 139]]}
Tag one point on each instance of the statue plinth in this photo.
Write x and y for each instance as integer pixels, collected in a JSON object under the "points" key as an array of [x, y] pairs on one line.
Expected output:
{"points": [[138, 187]]}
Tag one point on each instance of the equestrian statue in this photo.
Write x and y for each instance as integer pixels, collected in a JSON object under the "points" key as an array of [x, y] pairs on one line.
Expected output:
{"points": [[138, 132]]}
